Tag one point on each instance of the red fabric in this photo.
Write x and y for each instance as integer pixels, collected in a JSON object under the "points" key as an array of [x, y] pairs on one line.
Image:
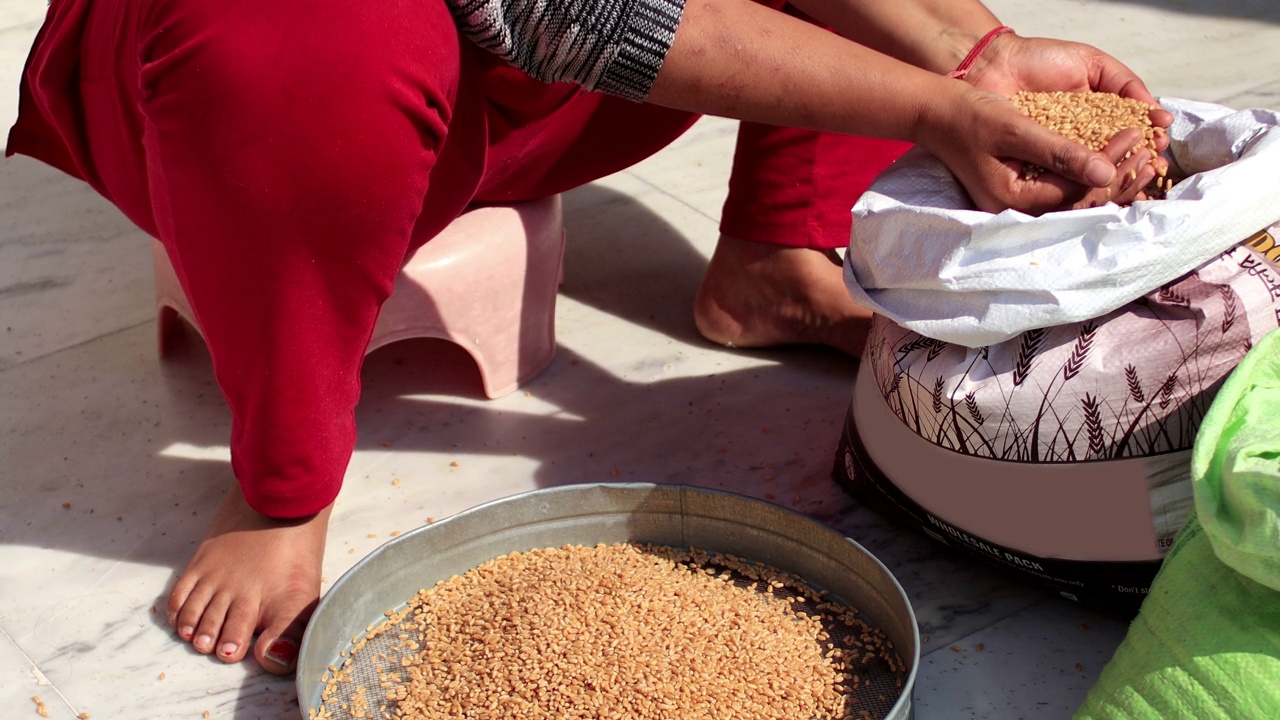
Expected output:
{"points": [[290, 155], [797, 187]]}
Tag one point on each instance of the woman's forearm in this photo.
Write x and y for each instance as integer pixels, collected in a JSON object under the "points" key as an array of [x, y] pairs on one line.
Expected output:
{"points": [[931, 34], [738, 59], [618, 46]]}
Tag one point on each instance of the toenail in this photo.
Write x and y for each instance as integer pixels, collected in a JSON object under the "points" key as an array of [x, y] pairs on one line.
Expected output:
{"points": [[281, 651], [228, 649], [173, 618], [186, 632], [204, 641]]}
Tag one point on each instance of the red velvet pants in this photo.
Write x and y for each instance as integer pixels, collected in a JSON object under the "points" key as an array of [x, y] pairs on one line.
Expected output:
{"points": [[291, 154]]}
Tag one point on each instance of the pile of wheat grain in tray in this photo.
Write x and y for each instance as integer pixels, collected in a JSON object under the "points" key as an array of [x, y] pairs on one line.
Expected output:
{"points": [[1092, 119], [624, 631]]}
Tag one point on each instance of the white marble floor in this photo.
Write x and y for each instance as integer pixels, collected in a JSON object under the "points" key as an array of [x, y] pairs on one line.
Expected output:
{"points": [[110, 460]]}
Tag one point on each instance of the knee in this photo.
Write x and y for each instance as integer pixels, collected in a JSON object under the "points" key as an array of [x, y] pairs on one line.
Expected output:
{"points": [[294, 63]]}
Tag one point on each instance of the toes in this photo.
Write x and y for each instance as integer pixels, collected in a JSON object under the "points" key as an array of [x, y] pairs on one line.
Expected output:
{"points": [[277, 655], [189, 614], [178, 598], [219, 624], [210, 625], [237, 632], [278, 643]]}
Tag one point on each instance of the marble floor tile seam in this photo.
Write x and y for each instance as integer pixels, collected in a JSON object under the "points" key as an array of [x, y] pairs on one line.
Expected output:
{"points": [[1265, 83], [1268, 92], [29, 24], [969, 639], [944, 640], [941, 645], [48, 690], [7, 366], [667, 193]]}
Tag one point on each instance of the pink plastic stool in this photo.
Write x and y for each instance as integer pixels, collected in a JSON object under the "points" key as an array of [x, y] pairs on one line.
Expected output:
{"points": [[488, 283]]}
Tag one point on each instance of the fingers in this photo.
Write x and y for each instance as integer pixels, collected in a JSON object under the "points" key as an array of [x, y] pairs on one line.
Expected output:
{"points": [[1135, 171], [1110, 75], [1067, 158], [1000, 142], [1161, 119], [1107, 74], [1074, 175], [1133, 168]]}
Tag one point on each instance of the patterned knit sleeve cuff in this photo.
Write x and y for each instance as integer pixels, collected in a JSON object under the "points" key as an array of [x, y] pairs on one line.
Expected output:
{"points": [[642, 50]]}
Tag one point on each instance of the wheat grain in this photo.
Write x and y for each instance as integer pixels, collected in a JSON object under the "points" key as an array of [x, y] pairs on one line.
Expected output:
{"points": [[1092, 119], [618, 631]]}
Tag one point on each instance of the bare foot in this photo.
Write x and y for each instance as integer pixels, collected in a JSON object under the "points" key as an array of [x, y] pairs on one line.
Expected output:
{"points": [[251, 574], [757, 295]]}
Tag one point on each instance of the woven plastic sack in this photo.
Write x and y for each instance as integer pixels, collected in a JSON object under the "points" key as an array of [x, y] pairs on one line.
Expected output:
{"points": [[1065, 452], [1206, 644], [921, 255]]}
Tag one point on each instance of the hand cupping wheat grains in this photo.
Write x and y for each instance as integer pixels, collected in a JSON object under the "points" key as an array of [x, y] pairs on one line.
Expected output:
{"points": [[623, 631], [1092, 119]]}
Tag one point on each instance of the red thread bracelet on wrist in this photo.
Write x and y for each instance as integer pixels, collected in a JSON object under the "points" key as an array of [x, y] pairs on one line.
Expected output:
{"points": [[963, 68]]}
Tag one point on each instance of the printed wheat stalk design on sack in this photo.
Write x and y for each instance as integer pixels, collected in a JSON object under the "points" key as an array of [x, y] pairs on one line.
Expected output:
{"points": [[878, 350], [968, 437], [1169, 296], [1139, 397], [1047, 412], [1168, 419], [893, 386], [1127, 443], [1079, 353], [909, 413], [1135, 386], [966, 434], [1230, 307], [1093, 426], [936, 349], [1161, 420], [919, 343], [948, 425], [1166, 390], [1004, 419], [971, 403], [893, 397], [1030, 345]]}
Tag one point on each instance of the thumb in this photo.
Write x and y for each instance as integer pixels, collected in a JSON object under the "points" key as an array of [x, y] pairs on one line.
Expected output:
{"points": [[1069, 159]]}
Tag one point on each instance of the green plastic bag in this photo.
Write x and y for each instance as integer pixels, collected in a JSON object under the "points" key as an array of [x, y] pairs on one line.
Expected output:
{"points": [[1206, 644]]}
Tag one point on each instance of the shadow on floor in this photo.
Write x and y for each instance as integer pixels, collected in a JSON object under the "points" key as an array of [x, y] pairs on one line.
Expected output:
{"points": [[138, 472], [1261, 10]]}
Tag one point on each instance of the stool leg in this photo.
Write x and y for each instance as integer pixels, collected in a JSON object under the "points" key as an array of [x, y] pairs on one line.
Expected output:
{"points": [[171, 302], [488, 283]]}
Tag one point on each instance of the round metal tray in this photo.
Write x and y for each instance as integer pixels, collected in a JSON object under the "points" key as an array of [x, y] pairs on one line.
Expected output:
{"points": [[673, 515]]}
